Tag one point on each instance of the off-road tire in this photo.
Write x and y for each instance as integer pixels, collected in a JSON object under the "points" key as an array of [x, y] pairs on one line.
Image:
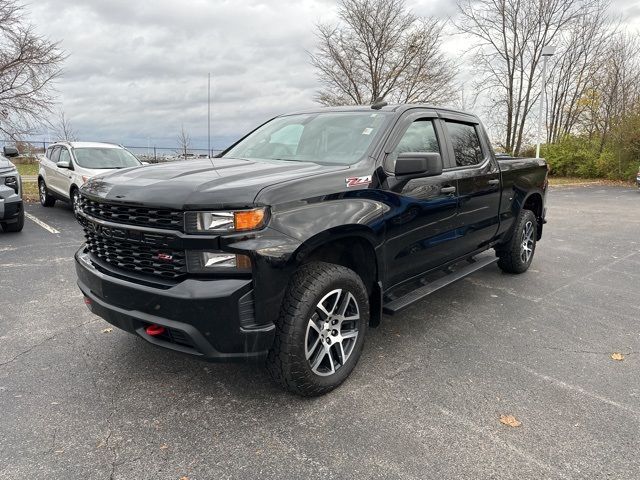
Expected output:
{"points": [[512, 256], [287, 362], [46, 199]]}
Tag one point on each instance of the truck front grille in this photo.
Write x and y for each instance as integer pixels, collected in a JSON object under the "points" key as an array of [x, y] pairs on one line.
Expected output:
{"points": [[136, 257], [132, 215]]}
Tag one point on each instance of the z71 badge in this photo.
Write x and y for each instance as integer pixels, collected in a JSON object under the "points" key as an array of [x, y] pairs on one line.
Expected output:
{"points": [[358, 181]]}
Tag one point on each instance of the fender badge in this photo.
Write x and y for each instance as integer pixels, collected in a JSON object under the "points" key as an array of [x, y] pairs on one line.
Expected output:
{"points": [[358, 181]]}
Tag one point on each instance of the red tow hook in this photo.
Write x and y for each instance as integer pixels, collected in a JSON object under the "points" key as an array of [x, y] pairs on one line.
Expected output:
{"points": [[154, 330]]}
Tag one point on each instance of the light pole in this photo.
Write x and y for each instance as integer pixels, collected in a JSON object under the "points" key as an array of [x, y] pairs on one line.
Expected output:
{"points": [[547, 51], [209, 117]]}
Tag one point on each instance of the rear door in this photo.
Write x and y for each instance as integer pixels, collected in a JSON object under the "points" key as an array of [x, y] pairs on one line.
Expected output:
{"points": [[63, 181], [51, 170], [478, 181], [420, 226]]}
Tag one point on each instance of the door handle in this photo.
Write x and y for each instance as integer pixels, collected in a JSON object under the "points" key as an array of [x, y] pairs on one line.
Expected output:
{"points": [[448, 190], [495, 181]]}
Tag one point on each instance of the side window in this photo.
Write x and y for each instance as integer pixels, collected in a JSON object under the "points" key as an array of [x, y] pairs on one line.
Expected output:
{"points": [[55, 154], [64, 156], [466, 144], [48, 154], [419, 137]]}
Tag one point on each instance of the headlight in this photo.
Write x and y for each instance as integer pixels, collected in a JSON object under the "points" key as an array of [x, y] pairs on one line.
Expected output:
{"points": [[225, 221], [207, 262], [11, 182]]}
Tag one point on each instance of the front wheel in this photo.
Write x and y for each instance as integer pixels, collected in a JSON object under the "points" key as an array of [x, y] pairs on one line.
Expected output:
{"points": [[517, 254], [46, 199], [321, 329]]}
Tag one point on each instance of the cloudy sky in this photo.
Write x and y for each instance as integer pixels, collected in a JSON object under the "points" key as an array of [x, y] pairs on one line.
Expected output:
{"points": [[137, 69]]}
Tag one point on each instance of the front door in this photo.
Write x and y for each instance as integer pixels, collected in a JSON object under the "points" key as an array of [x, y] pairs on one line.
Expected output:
{"points": [[420, 225]]}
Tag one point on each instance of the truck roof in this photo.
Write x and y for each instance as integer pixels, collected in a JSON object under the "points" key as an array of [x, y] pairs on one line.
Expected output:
{"points": [[396, 108]]}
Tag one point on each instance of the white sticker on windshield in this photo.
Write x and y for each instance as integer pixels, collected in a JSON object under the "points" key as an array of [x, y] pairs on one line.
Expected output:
{"points": [[367, 131]]}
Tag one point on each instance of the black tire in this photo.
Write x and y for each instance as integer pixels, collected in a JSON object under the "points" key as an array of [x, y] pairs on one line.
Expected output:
{"points": [[513, 256], [287, 361], [46, 199], [15, 226], [75, 201]]}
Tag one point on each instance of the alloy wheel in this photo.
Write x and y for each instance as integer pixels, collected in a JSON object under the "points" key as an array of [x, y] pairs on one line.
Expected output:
{"points": [[526, 248], [332, 332], [43, 192]]}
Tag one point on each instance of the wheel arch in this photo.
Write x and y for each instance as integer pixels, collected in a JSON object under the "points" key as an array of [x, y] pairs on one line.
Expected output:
{"points": [[535, 203], [353, 247]]}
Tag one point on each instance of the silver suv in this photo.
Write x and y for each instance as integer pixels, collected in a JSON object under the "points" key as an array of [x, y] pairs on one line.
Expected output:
{"points": [[11, 208], [68, 165]]}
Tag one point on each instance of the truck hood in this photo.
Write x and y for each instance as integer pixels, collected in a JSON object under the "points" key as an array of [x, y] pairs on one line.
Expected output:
{"points": [[5, 165], [194, 184]]}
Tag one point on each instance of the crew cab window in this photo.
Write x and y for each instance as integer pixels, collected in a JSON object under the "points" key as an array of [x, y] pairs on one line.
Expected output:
{"points": [[466, 144], [419, 137]]}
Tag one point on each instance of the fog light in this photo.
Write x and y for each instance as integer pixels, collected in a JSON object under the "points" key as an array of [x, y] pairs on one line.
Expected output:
{"points": [[205, 262]]}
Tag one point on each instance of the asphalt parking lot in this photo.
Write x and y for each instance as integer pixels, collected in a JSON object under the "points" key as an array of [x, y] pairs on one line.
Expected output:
{"points": [[424, 402]]}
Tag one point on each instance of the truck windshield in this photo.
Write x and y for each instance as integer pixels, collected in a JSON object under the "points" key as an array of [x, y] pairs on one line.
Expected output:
{"points": [[105, 158], [331, 138]]}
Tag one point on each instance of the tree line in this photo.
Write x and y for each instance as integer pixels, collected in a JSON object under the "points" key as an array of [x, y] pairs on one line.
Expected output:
{"points": [[379, 48]]}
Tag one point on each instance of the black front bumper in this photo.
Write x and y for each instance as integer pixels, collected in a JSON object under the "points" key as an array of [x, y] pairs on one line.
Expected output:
{"points": [[208, 318], [11, 206]]}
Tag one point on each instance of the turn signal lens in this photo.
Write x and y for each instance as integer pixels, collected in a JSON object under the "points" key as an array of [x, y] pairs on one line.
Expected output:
{"points": [[248, 219], [225, 221]]}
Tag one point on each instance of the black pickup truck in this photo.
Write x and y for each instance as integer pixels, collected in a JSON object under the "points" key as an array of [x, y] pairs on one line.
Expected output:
{"points": [[290, 244]]}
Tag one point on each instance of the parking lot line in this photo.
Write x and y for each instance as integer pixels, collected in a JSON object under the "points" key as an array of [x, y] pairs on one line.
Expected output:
{"points": [[41, 223]]}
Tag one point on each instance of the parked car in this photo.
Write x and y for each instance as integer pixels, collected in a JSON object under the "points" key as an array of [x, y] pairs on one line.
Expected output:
{"points": [[11, 206], [68, 165], [638, 178], [293, 242]]}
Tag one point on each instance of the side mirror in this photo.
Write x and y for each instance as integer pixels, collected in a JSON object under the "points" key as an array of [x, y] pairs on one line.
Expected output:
{"points": [[63, 164], [418, 164], [11, 152], [144, 163]]}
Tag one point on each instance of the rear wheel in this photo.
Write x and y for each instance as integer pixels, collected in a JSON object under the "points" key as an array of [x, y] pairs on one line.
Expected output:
{"points": [[517, 254], [46, 199], [321, 329]]}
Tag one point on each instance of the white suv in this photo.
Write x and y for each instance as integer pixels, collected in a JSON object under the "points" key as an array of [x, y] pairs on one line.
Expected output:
{"points": [[67, 165]]}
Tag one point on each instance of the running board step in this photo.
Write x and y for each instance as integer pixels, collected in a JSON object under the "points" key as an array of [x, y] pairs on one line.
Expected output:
{"points": [[395, 306]]}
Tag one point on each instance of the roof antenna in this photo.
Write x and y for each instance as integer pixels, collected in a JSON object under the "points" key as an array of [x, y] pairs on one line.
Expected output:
{"points": [[378, 103]]}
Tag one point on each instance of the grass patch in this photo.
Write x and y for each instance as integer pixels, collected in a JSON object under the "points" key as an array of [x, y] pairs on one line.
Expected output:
{"points": [[28, 168], [560, 181], [30, 191]]}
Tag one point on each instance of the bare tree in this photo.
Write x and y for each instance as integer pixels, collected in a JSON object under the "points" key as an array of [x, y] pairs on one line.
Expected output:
{"points": [[64, 130], [29, 64], [511, 35], [380, 49], [616, 93], [184, 142], [576, 69]]}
